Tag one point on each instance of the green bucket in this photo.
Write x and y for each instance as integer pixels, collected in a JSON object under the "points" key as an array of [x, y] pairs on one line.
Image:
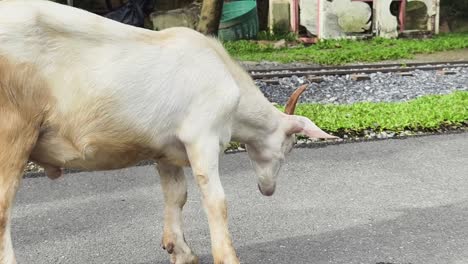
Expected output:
{"points": [[239, 20]]}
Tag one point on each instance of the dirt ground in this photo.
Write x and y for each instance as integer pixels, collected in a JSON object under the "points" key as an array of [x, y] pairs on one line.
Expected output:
{"points": [[451, 55]]}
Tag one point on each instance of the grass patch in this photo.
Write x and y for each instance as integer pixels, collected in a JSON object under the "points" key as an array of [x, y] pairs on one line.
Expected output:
{"points": [[336, 52], [427, 113], [266, 35]]}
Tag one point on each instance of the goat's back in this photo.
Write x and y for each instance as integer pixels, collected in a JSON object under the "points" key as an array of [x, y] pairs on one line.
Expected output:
{"points": [[121, 86]]}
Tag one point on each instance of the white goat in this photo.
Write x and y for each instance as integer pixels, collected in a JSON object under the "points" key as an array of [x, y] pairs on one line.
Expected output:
{"points": [[81, 91]]}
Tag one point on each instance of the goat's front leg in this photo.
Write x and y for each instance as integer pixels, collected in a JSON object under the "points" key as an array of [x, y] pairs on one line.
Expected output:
{"points": [[16, 140], [174, 187], [203, 154]]}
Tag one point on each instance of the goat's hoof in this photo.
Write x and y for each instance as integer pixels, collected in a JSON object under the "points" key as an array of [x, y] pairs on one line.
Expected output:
{"points": [[53, 172], [178, 257], [169, 247], [184, 258], [227, 260]]}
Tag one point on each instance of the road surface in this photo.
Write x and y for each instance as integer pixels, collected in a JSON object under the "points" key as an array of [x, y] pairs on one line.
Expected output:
{"points": [[393, 201]]}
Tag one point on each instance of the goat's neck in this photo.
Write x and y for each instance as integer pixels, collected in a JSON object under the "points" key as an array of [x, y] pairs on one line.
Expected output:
{"points": [[255, 118]]}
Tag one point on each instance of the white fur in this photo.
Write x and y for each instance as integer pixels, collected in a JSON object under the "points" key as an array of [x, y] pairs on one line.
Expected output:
{"points": [[176, 88], [8, 254]]}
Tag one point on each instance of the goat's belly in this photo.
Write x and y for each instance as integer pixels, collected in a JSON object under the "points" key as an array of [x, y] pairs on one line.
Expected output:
{"points": [[61, 153], [99, 159], [54, 153]]}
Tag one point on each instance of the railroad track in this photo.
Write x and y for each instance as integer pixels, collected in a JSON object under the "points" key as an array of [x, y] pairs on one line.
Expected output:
{"points": [[315, 73]]}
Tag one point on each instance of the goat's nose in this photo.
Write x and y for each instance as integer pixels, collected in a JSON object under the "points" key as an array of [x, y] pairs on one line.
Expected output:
{"points": [[267, 191]]}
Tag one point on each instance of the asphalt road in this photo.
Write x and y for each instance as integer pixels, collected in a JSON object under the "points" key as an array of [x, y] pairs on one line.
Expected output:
{"points": [[393, 201]]}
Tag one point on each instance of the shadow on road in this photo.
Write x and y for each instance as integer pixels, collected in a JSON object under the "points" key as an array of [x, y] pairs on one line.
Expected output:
{"points": [[422, 235]]}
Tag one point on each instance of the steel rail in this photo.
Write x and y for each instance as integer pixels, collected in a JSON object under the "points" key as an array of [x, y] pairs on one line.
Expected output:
{"points": [[352, 70], [361, 66]]}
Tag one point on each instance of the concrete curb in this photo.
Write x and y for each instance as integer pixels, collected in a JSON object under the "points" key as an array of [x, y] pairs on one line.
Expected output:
{"points": [[311, 145]]}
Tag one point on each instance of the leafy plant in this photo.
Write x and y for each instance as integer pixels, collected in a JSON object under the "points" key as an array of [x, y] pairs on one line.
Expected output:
{"points": [[336, 52], [267, 35], [426, 113]]}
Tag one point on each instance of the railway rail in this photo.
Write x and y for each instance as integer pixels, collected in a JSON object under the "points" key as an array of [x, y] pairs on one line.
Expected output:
{"points": [[267, 75]]}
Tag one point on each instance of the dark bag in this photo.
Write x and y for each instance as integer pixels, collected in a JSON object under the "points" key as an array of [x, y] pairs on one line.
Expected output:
{"points": [[131, 13]]}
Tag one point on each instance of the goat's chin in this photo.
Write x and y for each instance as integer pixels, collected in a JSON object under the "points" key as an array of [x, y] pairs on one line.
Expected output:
{"points": [[267, 191]]}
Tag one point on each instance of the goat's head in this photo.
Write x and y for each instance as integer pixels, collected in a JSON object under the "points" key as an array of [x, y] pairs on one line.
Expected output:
{"points": [[268, 154]]}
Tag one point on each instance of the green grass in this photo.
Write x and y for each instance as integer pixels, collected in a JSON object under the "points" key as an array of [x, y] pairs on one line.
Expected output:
{"points": [[336, 52], [266, 35], [427, 113]]}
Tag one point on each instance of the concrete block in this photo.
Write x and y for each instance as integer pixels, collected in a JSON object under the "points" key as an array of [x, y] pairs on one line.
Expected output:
{"points": [[337, 17], [280, 44], [182, 17], [280, 18], [314, 79]]}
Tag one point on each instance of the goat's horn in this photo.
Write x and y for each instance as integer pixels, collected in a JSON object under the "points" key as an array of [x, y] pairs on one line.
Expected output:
{"points": [[291, 105]]}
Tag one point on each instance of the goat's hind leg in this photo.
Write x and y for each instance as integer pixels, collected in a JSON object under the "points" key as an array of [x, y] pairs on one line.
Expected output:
{"points": [[174, 186], [17, 138]]}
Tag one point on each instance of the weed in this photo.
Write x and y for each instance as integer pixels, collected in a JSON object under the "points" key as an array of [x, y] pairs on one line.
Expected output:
{"points": [[336, 52], [426, 113], [266, 35]]}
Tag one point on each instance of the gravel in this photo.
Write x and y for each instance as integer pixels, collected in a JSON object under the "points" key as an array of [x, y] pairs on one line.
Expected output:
{"points": [[382, 87], [33, 167]]}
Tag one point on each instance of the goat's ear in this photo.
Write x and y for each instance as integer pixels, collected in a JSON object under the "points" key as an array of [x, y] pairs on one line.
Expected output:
{"points": [[298, 124], [302, 125]]}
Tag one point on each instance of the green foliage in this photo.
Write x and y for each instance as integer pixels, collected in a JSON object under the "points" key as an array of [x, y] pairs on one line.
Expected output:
{"points": [[266, 35], [427, 113], [336, 52], [247, 47]]}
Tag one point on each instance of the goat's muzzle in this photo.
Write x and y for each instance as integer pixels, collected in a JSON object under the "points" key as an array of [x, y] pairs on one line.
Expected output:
{"points": [[268, 191]]}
